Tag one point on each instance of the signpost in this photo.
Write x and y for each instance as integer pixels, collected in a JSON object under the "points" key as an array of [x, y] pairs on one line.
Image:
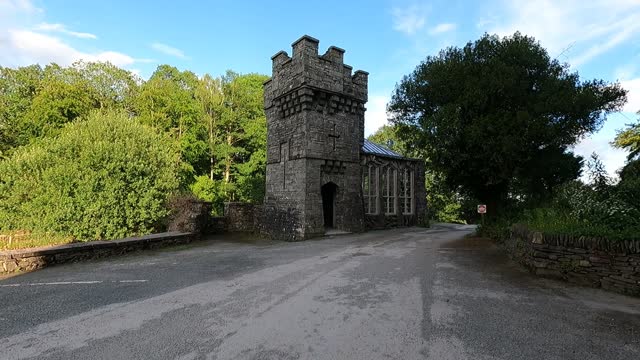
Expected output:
{"points": [[482, 209]]}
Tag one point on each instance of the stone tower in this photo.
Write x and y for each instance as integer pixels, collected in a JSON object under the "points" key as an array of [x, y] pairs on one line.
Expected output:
{"points": [[315, 130]]}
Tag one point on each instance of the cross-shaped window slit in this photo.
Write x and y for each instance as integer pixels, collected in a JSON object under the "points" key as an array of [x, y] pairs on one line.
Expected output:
{"points": [[333, 136]]}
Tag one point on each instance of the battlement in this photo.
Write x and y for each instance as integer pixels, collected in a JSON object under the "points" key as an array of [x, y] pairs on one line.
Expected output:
{"points": [[305, 46], [306, 68], [334, 54]]}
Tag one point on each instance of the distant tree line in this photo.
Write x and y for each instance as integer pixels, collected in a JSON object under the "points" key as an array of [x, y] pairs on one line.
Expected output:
{"points": [[215, 125]]}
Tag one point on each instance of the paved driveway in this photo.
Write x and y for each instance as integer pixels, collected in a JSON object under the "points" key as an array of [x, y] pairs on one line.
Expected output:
{"points": [[395, 294]]}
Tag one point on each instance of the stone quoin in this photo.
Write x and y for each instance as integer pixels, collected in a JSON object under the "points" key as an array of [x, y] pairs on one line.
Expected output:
{"points": [[321, 172]]}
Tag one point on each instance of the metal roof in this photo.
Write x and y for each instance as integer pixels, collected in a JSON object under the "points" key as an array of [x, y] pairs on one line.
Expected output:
{"points": [[372, 148]]}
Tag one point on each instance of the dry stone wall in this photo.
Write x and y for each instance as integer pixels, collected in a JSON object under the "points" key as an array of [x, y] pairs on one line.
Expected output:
{"points": [[595, 262]]}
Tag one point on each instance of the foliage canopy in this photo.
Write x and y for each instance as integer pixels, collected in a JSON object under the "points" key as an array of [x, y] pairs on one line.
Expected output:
{"points": [[497, 117], [104, 177], [629, 139]]}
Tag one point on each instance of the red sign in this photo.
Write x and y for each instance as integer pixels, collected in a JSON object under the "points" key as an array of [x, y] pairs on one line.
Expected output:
{"points": [[482, 209]]}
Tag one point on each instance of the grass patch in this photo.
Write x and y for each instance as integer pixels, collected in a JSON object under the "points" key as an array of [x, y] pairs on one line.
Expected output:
{"points": [[554, 222], [14, 240]]}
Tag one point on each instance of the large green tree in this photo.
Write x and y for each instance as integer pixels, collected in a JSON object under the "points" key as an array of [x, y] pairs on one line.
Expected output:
{"points": [[235, 124], [629, 185], [629, 139], [218, 123], [387, 135], [36, 102], [62, 96], [167, 101], [18, 87], [490, 114], [110, 86]]}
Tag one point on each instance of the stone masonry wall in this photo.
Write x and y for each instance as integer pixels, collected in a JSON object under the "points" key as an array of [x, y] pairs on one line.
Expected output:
{"points": [[265, 220], [277, 223], [37, 258], [315, 129], [192, 216], [239, 217], [595, 262]]}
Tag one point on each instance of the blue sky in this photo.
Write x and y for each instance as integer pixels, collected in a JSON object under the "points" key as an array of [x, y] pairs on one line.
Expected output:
{"points": [[599, 38]]}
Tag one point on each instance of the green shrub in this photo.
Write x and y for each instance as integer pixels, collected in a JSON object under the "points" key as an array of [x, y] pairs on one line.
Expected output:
{"points": [[582, 210], [209, 190], [103, 178], [606, 208], [497, 230], [629, 185]]}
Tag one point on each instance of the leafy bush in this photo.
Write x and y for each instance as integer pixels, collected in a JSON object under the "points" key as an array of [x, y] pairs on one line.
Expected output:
{"points": [[497, 230], [599, 209], [552, 221], [579, 209], [209, 190], [603, 207], [103, 178], [629, 185]]}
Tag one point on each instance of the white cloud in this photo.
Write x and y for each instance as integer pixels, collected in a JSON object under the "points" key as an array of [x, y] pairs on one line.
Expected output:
{"points": [[168, 50], [25, 47], [625, 72], [408, 20], [62, 29], [618, 33], [17, 12], [442, 28], [376, 114], [22, 41], [612, 158], [18, 6], [585, 29], [633, 97]]}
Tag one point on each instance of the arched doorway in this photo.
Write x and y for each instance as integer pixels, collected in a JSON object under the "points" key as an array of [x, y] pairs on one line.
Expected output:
{"points": [[328, 192]]}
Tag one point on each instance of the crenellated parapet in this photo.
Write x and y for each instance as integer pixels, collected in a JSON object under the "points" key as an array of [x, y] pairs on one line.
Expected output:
{"points": [[316, 162], [309, 80], [315, 107]]}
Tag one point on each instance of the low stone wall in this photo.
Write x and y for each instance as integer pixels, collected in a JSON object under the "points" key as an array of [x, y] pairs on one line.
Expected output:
{"points": [[37, 258], [240, 217], [263, 220], [595, 262], [189, 215], [216, 225], [278, 224]]}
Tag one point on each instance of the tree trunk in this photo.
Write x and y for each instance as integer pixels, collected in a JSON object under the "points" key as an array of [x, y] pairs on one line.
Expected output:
{"points": [[494, 197], [211, 168], [211, 146], [227, 165]]}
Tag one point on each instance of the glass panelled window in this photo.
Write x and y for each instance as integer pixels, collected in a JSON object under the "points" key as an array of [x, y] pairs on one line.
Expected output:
{"points": [[388, 186], [370, 189], [405, 193]]}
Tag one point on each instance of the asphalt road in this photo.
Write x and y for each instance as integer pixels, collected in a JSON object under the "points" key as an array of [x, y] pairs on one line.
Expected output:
{"points": [[393, 294]]}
